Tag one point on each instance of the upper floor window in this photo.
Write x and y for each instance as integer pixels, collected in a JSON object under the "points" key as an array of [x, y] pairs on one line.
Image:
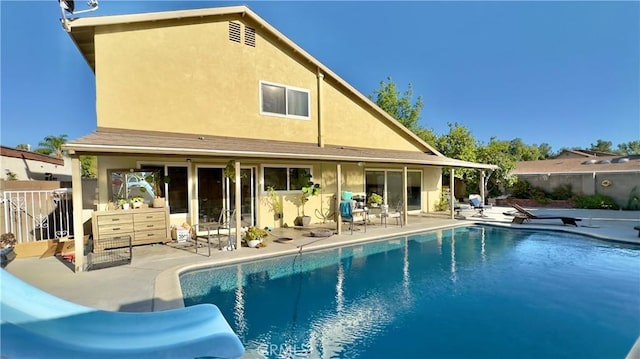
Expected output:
{"points": [[284, 100]]}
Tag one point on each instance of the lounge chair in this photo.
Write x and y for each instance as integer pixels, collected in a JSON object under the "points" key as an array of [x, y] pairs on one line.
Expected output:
{"points": [[478, 206], [524, 215], [351, 215], [36, 324]]}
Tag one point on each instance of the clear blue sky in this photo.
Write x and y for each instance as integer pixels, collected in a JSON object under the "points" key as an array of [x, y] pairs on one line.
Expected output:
{"points": [[563, 73]]}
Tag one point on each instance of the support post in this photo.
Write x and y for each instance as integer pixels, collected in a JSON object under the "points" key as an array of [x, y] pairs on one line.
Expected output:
{"points": [[338, 197], [238, 206], [482, 179], [452, 197], [405, 198], [78, 230]]}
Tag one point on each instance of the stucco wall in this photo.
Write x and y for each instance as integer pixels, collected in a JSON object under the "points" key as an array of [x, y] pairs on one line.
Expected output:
{"points": [[622, 183], [193, 79], [26, 169]]}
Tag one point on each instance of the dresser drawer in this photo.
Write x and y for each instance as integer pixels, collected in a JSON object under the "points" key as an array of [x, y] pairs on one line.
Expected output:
{"points": [[147, 226], [114, 219], [148, 217], [153, 236], [115, 229]]}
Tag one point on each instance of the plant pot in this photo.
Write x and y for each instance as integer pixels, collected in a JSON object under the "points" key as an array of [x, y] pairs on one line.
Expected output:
{"points": [[302, 221], [159, 202], [136, 204], [254, 243], [125, 206]]}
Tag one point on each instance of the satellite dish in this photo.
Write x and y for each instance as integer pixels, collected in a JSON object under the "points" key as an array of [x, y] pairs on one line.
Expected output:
{"points": [[68, 6]]}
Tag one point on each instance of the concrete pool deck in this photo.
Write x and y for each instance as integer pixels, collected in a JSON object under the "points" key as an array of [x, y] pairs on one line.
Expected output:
{"points": [[150, 282]]}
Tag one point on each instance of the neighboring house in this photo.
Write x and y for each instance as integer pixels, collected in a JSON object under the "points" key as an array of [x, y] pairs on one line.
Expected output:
{"points": [[583, 154], [588, 173], [186, 92], [25, 165]]}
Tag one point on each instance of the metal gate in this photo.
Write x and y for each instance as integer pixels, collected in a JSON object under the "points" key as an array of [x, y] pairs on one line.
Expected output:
{"points": [[37, 215]]}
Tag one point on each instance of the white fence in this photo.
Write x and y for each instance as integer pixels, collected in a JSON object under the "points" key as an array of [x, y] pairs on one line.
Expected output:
{"points": [[37, 215]]}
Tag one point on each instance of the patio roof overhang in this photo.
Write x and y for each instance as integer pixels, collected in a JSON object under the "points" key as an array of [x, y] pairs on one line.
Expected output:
{"points": [[122, 142]]}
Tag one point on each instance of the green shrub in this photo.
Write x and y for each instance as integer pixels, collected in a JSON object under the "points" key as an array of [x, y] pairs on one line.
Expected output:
{"points": [[596, 201], [524, 190], [562, 192], [633, 203]]}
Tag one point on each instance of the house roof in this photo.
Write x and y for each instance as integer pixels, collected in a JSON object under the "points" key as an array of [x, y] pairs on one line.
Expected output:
{"points": [[28, 155], [118, 141], [584, 153], [580, 165], [82, 32]]}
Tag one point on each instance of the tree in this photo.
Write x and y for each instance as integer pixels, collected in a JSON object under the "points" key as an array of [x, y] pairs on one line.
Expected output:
{"points": [[399, 106], [629, 148], [545, 151], [523, 152], [497, 153], [89, 166], [23, 147], [601, 146], [52, 146], [460, 144]]}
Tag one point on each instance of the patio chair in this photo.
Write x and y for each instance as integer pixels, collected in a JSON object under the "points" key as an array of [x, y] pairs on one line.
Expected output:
{"points": [[524, 215], [205, 231], [351, 215], [478, 205], [36, 324], [385, 214]]}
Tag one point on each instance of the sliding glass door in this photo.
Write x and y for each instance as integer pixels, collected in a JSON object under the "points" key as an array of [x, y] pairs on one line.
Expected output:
{"points": [[388, 183], [217, 193]]}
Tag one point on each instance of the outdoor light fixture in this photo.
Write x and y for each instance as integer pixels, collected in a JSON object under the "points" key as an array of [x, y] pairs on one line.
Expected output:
{"points": [[68, 6]]}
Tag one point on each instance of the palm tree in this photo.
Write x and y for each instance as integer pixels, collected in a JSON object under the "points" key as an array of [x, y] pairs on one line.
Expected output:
{"points": [[52, 145]]}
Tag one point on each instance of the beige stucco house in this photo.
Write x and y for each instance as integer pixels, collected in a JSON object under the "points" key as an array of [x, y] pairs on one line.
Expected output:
{"points": [[186, 92]]}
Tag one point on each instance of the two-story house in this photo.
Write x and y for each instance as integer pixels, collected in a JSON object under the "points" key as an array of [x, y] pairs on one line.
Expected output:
{"points": [[190, 93]]}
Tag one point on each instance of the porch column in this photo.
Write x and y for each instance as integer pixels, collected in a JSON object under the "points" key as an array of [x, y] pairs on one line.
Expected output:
{"points": [[482, 178], [452, 197], [78, 230], [320, 112], [338, 197], [238, 205], [405, 198]]}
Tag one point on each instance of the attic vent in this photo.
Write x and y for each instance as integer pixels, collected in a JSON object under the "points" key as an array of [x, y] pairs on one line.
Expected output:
{"points": [[234, 31], [604, 161], [589, 162], [622, 160], [250, 36]]}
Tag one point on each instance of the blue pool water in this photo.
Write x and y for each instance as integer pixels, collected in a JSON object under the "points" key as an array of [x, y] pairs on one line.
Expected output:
{"points": [[474, 292]]}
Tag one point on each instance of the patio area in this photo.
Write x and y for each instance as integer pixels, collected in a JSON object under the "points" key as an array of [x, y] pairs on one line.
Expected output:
{"points": [[150, 283]]}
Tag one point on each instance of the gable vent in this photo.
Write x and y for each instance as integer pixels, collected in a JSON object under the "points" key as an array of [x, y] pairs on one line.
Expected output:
{"points": [[234, 31], [250, 36]]}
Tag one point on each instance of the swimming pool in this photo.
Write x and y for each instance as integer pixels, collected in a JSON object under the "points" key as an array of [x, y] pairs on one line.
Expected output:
{"points": [[463, 292]]}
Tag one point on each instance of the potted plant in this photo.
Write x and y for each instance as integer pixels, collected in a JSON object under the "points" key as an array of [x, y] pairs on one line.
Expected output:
{"points": [[137, 201], [157, 182], [275, 203], [123, 203], [309, 190], [230, 171], [254, 236], [374, 199]]}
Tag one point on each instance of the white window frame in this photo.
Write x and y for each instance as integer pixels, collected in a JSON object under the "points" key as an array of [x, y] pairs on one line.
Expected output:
{"points": [[286, 101], [287, 167]]}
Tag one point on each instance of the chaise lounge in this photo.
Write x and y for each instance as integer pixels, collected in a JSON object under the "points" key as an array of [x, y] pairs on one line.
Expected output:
{"points": [[524, 215]]}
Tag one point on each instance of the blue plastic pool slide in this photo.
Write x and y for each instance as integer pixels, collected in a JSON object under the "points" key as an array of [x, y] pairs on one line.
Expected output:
{"points": [[36, 324]]}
